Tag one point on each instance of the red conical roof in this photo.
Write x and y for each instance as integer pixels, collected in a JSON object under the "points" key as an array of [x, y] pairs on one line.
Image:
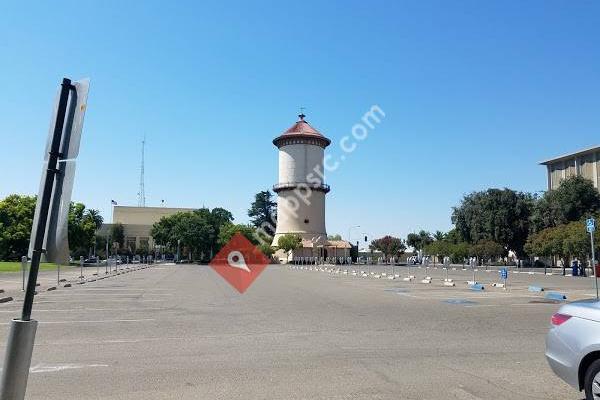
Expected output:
{"points": [[302, 129]]}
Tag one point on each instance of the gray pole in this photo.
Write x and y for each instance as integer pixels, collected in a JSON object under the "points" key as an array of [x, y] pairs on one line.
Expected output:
{"points": [[21, 338], [594, 262], [81, 266], [24, 268], [17, 360], [58, 275]]}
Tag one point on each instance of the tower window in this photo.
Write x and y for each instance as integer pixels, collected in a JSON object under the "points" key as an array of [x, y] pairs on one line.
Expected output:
{"points": [[306, 221]]}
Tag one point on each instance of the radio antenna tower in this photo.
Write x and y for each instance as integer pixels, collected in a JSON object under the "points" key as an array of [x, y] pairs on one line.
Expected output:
{"points": [[142, 193]]}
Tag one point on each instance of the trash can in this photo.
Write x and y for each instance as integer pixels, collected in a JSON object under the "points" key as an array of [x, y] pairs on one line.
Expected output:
{"points": [[575, 268]]}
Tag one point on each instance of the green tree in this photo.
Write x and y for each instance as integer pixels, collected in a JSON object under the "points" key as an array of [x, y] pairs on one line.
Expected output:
{"points": [[390, 246], [263, 212], [563, 241], [334, 237], [289, 242], [487, 249], [499, 215], [439, 235], [16, 219], [574, 199], [198, 230], [228, 230], [117, 234], [418, 241], [439, 248], [82, 228]]}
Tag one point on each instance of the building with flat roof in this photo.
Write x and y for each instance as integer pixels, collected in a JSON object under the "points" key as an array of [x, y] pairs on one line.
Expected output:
{"points": [[137, 223], [585, 163]]}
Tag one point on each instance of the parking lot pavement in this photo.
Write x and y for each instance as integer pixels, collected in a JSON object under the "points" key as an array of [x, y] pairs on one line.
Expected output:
{"points": [[182, 332]]}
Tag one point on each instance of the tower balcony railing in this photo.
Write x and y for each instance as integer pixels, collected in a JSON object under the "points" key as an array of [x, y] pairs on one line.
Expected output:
{"points": [[322, 187]]}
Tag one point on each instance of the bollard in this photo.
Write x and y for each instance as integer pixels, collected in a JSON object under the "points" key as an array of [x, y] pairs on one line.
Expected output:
{"points": [[477, 287], [24, 268], [81, 266], [20, 339], [555, 296]]}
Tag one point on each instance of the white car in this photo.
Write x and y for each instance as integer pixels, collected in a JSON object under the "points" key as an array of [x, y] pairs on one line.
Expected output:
{"points": [[573, 346]]}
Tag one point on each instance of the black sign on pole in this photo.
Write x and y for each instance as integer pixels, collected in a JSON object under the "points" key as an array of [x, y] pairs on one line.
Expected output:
{"points": [[52, 169], [49, 227]]}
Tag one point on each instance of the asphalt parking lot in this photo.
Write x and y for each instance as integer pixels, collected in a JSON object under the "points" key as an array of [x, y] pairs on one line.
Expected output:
{"points": [[181, 332]]}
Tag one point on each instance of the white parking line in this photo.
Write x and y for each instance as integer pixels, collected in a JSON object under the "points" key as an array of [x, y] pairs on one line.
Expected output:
{"points": [[88, 309], [99, 321]]}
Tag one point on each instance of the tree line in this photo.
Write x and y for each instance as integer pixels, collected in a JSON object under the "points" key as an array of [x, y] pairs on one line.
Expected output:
{"points": [[495, 222], [16, 220]]}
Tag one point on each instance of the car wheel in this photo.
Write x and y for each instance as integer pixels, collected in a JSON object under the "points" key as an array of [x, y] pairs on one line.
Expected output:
{"points": [[591, 383]]}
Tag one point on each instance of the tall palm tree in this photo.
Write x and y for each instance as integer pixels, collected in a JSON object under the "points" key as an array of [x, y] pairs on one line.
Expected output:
{"points": [[96, 217]]}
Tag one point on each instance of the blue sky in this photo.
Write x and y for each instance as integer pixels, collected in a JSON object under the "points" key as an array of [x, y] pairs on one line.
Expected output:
{"points": [[475, 94]]}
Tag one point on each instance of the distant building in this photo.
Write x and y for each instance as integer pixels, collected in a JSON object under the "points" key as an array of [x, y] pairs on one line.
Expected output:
{"points": [[137, 223], [585, 163]]}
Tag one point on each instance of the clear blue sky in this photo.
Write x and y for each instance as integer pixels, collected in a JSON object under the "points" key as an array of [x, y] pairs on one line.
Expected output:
{"points": [[475, 94]]}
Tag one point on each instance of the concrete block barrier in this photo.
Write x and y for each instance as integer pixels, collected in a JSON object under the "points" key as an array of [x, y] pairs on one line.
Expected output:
{"points": [[556, 296], [478, 287]]}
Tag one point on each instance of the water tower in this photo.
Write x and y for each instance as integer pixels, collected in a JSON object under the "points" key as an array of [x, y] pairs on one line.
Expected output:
{"points": [[301, 190]]}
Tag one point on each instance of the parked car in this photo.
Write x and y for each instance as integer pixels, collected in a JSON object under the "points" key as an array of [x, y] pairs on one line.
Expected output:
{"points": [[573, 346]]}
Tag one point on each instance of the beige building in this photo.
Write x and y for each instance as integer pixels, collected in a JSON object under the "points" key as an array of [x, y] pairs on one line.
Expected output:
{"points": [[137, 223], [585, 163]]}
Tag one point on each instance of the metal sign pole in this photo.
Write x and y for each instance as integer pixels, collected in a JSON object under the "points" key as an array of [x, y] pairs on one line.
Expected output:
{"points": [[594, 263], [24, 268], [21, 338]]}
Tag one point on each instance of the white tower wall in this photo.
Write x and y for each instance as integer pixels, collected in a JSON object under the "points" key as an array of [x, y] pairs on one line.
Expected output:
{"points": [[296, 216], [297, 161]]}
